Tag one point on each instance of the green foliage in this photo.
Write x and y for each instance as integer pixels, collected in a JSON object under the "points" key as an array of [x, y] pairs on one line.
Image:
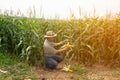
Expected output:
{"points": [[80, 69], [18, 36], [96, 39], [6, 59], [15, 69]]}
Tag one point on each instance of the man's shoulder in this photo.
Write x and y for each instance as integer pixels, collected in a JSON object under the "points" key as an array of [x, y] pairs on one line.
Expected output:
{"points": [[47, 43]]}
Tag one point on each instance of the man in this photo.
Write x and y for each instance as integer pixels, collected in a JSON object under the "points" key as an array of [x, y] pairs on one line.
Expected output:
{"points": [[51, 57]]}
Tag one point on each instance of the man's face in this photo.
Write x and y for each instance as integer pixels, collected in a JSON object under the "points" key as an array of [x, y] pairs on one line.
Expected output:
{"points": [[51, 39]]}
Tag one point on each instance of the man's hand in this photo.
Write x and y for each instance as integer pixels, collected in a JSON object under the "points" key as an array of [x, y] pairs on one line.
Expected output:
{"points": [[66, 48], [61, 42]]}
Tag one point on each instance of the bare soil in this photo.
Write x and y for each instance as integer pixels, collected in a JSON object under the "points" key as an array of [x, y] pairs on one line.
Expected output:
{"points": [[99, 72], [96, 72]]}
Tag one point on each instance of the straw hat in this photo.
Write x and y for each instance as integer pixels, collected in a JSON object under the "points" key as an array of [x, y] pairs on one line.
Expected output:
{"points": [[50, 34]]}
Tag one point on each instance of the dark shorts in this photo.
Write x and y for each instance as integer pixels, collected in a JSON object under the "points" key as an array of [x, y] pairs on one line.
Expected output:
{"points": [[53, 61]]}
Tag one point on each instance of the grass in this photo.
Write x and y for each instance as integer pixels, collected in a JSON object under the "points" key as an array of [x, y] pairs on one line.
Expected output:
{"points": [[16, 70], [80, 71]]}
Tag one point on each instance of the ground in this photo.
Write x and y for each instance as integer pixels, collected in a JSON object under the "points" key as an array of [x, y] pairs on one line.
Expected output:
{"points": [[99, 72], [22, 71], [96, 72]]}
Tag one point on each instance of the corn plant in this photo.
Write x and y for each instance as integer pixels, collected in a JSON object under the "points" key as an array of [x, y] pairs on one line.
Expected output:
{"points": [[96, 40]]}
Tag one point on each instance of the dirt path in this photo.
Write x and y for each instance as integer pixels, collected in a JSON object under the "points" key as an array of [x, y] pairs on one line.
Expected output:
{"points": [[97, 72], [54, 75]]}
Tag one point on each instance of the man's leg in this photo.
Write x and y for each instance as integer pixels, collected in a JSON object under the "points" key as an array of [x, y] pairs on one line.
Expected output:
{"points": [[50, 63], [57, 58]]}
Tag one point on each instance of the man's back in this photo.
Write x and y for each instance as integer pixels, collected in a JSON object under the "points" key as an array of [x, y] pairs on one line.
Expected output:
{"points": [[49, 49]]}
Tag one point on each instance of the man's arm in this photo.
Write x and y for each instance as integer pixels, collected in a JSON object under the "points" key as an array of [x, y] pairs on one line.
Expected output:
{"points": [[60, 43], [62, 50]]}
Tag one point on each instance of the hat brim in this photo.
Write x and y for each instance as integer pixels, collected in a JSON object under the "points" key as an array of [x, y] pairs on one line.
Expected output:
{"points": [[50, 36]]}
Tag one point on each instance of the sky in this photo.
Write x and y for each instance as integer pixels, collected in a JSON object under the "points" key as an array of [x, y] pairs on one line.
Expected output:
{"points": [[63, 9]]}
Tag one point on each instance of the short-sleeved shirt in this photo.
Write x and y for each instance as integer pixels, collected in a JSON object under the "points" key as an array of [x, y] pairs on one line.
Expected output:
{"points": [[49, 49]]}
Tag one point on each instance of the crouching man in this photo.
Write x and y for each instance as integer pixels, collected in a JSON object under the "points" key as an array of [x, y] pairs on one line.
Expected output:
{"points": [[51, 57]]}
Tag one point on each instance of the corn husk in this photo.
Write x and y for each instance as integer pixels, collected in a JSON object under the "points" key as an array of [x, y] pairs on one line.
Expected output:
{"points": [[67, 69]]}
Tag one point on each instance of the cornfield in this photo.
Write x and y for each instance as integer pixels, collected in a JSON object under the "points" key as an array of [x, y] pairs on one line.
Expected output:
{"points": [[96, 40]]}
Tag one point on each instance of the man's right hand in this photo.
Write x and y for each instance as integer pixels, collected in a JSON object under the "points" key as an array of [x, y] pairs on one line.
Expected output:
{"points": [[66, 48]]}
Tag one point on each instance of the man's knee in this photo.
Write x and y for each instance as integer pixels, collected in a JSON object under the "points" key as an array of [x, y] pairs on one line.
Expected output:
{"points": [[52, 65], [58, 58]]}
